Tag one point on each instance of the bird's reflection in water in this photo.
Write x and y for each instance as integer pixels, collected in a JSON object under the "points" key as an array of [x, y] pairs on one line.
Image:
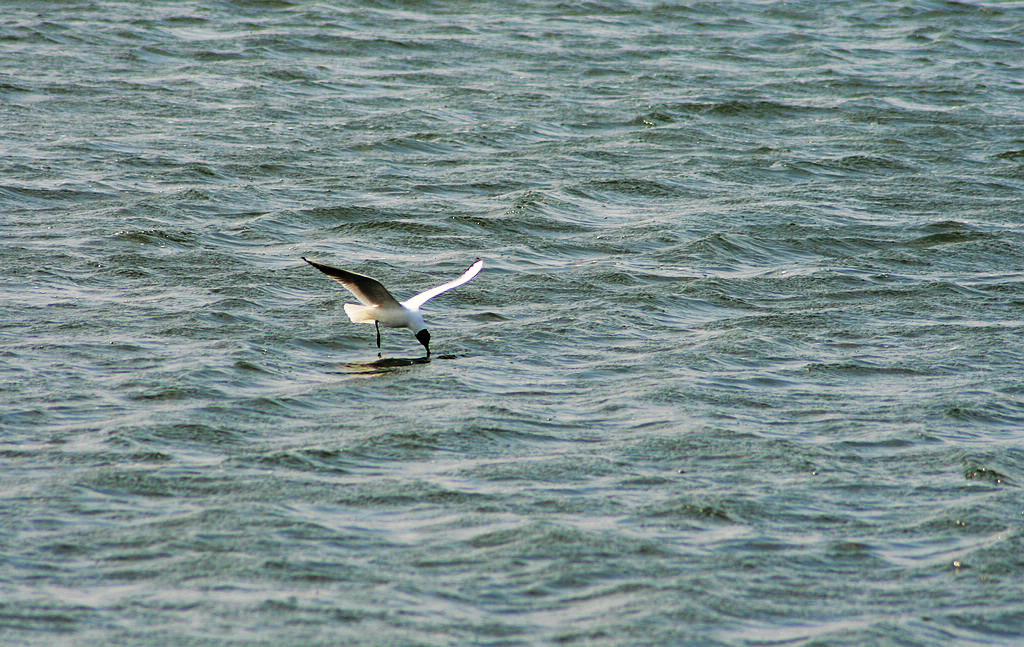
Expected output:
{"points": [[386, 365]]}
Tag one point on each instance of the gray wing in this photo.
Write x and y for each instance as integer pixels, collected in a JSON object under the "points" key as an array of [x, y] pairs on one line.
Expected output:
{"points": [[369, 291]]}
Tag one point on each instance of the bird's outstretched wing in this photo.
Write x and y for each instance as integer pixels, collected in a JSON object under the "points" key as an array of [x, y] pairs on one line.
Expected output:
{"points": [[369, 291], [415, 302]]}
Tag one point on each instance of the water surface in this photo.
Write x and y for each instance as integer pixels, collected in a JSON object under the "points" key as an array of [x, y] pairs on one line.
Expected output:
{"points": [[743, 365]]}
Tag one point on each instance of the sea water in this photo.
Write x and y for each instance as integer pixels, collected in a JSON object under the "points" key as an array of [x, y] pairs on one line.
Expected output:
{"points": [[743, 365]]}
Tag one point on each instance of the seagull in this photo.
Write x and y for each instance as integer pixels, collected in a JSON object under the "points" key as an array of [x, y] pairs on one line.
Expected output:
{"points": [[383, 309]]}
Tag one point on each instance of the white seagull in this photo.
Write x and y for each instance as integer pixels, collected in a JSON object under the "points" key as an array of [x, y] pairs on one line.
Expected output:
{"points": [[380, 308]]}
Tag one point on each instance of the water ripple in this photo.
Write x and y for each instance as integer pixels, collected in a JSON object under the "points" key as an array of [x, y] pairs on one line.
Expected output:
{"points": [[742, 366]]}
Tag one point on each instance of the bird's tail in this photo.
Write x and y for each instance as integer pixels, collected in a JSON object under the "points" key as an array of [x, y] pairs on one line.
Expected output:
{"points": [[360, 314]]}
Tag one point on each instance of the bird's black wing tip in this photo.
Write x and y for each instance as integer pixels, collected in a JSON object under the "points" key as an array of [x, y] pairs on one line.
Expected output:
{"points": [[326, 269]]}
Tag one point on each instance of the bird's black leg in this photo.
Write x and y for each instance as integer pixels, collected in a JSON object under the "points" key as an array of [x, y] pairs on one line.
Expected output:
{"points": [[376, 324]]}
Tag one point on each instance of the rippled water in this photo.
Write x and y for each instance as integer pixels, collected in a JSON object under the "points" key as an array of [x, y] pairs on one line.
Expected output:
{"points": [[743, 365]]}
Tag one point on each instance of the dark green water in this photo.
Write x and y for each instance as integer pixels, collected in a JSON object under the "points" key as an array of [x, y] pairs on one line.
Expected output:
{"points": [[743, 366]]}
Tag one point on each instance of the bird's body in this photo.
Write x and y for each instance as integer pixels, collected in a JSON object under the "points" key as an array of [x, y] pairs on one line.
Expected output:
{"points": [[381, 309]]}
